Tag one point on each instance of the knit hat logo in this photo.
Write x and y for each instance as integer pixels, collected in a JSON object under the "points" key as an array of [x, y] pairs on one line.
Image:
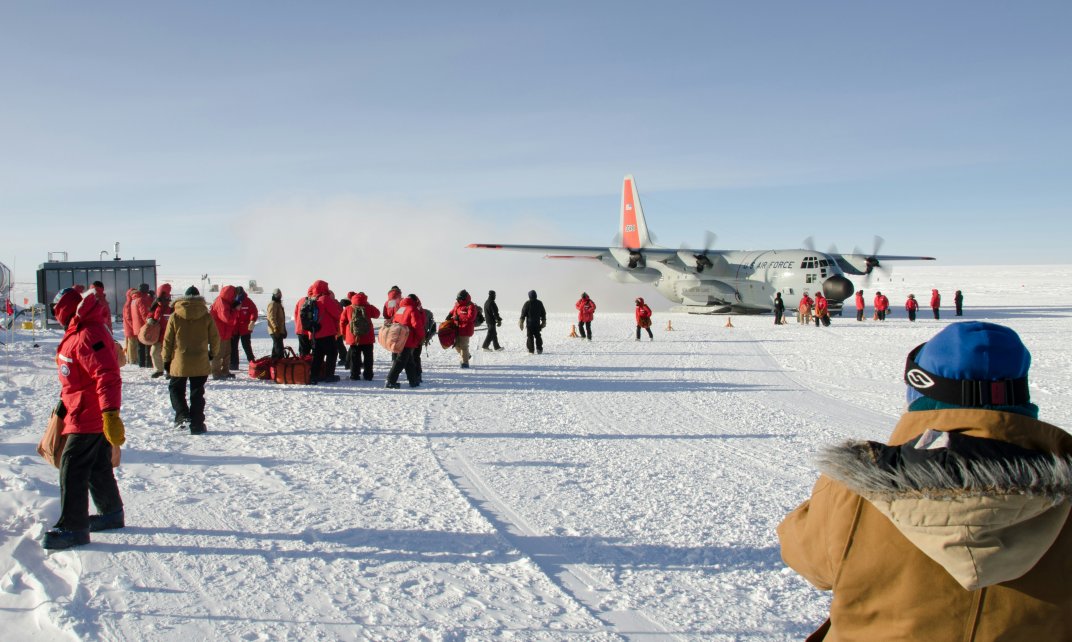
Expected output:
{"points": [[919, 379]]}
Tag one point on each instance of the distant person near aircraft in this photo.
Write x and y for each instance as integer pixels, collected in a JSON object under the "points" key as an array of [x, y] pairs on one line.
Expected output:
{"points": [[860, 305], [936, 302], [779, 308], [642, 313], [533, 320], [586, 310], [910, 306], [958, 300], [494, 321], [882, 304]]}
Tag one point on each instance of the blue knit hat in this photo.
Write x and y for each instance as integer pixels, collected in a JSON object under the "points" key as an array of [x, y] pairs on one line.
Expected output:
{"points": [[974, 350]]}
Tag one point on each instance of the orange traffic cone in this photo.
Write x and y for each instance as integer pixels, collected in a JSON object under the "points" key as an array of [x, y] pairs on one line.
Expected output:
{"points": [[669, 326], [729, 322], [573, 330]]}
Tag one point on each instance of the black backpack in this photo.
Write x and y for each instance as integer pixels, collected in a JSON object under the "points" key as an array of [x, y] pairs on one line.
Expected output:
{"points": [[310, 315], [429, 326], [479, 316], [359, 321]]}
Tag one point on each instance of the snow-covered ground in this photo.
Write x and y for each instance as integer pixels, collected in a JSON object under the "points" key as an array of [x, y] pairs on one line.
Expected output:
{"points": [[600, 491]]}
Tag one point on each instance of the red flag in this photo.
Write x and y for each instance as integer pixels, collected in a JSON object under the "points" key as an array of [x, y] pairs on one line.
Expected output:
{"points": [[10, 308]]}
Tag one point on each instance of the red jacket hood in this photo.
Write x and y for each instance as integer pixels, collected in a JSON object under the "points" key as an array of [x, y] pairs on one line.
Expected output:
{"points": [[227, 294], [164, 290], [90, 311], [319, 288], [359, 299]]}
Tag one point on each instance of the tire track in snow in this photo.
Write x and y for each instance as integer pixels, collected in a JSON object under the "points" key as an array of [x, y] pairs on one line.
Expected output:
{"points": [[550, 554]]}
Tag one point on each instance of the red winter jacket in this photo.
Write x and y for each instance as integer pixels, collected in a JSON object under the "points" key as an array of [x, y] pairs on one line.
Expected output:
{"points": [[102, 298], [128, 323], [371, 312], [88, 370], [936, 299], [586, 309], [330, 310], [246, 312], [391, 305], [642, 311], [859, 300], [162, 312], [224, 313], [881, 303], [139, 310], [411, 314], [821, 306], [911, 305], [464, 314]]}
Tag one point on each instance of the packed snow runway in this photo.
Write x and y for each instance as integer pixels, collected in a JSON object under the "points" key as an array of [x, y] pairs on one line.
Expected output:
{"points": [[604, 490]]}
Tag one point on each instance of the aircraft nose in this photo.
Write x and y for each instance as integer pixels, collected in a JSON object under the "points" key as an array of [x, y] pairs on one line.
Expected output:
{"points": [[837, 288]]}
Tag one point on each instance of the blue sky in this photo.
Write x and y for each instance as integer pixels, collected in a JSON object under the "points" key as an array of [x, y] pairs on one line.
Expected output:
{"points": [[207, 135]]}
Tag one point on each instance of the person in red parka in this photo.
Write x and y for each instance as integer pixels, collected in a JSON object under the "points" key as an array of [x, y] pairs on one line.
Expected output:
{"points": [[224, 312], [394, 296], [408, 313], [822, 310], [586, 310], [139, 314], [102, 298], [360, 347], [159, 313], [245, 317], [464, 315], [882, 304], [804, 309], [325, 350], [643, 318], [305, 344], [90, 396], [130, 338], [910, 306], [936, 302], [860, 305]]}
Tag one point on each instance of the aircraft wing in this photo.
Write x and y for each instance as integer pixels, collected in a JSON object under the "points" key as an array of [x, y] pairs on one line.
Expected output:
{"points": [[858, 264], [550, 251]]}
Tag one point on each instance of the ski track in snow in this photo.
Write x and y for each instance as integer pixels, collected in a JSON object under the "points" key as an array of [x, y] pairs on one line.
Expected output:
{"points": [[606, 490]]}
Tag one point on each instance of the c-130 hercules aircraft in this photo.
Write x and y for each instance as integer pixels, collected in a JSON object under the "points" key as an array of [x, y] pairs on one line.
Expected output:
{"points": [[717, 281]]}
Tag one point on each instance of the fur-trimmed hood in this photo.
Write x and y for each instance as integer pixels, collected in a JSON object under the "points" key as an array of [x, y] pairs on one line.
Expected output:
{"points": [[985, 509]]}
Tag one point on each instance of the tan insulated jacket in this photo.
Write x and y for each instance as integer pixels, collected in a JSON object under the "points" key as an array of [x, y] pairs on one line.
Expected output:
{"points": [[190, 337], [277, 319], [953, 532]]}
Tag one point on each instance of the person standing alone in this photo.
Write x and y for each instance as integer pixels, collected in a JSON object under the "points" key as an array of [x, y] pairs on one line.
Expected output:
{"points": [[779, 308], [910, 306], [643, 318], [491, 315], [533, 320], [191, 339], [586, 310], [936, 302]]}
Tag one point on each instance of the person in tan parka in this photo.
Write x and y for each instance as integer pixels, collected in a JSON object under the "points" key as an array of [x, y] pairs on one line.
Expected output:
{"points": [[190, 341], [958, 529], [277, 323]]}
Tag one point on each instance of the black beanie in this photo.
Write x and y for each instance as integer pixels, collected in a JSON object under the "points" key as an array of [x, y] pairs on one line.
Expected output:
{"points": [[192, 291]]}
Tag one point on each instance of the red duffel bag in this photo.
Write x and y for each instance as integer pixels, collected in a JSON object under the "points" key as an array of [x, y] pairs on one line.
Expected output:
{"points": [[448, 333], [261, 368], [292, 368]]}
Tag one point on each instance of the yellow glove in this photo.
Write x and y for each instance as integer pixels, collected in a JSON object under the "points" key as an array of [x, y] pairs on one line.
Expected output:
{"points": [[114, 431]]}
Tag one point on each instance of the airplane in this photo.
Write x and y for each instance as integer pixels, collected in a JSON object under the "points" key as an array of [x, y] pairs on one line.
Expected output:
{"points": [[717, 281]]}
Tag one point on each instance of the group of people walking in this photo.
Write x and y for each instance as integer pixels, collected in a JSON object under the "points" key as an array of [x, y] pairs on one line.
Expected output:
{"points": [[881, 304]]}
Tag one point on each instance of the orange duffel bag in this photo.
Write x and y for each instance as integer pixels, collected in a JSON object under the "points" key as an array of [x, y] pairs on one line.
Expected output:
{"points": [[393, 337], [292, 368]]}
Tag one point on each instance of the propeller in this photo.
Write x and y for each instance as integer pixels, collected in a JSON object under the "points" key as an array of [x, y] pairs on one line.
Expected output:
{"points": [[872, 261], [702, 260]]}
